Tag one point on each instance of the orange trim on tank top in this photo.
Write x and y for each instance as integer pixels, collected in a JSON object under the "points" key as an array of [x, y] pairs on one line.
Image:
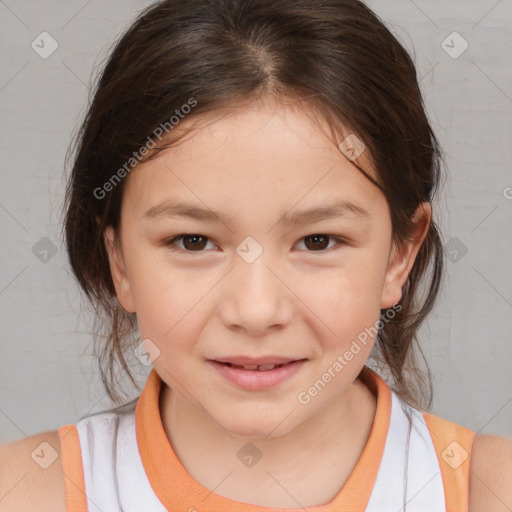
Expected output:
{"points": [[452, 443], [72, 469], [177, 490]]}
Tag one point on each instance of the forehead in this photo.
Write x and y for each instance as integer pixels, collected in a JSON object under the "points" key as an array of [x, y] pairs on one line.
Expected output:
{"points": [[266, 153]]}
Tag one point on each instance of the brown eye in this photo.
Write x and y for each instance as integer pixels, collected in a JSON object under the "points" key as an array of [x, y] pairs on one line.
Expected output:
{"points": [[191, 243], [316, 241]]}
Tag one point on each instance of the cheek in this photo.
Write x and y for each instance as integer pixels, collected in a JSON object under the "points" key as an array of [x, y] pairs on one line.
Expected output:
{"points": [[346, 300], [162, 295]]}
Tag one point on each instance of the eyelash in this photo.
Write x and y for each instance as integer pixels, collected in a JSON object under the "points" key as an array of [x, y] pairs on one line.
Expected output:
{"points": [[170, 243]]}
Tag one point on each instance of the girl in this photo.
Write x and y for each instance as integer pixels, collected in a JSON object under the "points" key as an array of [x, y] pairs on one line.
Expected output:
{"points": [[250, 208]]}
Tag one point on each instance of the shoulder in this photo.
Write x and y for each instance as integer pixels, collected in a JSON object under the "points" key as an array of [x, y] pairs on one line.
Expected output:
{"points": [[31, 474], [490, 479]]}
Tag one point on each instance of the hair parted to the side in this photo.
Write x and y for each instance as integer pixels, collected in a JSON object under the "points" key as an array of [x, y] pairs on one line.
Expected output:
{"points": [[335, 56]]}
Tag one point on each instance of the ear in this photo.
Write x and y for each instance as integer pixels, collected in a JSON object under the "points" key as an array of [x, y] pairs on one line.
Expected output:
{"points": [[402, 257], [118, 270]]}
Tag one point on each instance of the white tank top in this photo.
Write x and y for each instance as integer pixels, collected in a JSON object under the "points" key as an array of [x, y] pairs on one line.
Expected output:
{"points": [[409, 477]]}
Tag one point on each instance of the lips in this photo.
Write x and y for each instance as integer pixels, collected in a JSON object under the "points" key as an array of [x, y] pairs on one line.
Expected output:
{"points": [[256, 373]]}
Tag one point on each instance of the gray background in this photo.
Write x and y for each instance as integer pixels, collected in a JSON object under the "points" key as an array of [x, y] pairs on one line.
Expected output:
{"points": [[48, 374]]}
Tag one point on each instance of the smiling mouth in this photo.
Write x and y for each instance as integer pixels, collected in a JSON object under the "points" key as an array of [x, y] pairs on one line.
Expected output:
{"points": [[246, 373]]}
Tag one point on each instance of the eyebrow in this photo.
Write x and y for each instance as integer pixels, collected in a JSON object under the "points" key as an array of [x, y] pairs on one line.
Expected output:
{"points": [[288, 218]]}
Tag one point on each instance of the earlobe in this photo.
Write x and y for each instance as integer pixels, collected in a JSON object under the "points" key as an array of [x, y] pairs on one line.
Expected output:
{"points": [[403, 256], [118, 270]]}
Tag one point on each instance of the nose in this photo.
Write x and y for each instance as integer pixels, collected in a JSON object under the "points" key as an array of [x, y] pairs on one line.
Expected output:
{"points": [[255, 298]]}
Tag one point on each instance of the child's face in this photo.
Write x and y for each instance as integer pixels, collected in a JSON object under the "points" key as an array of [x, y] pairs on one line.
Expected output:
{"points": [[302, 298]]}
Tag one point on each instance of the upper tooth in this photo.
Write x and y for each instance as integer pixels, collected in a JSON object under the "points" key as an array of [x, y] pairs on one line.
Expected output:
{"points": [[261, 367], [266, 367], [250, 366]]}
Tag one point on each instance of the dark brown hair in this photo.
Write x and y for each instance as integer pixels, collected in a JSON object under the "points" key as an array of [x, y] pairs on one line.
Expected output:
{"points": [[335, 55]]}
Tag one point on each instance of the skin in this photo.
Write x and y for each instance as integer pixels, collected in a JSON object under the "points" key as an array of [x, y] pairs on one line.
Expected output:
{"points": [[294, 300]]}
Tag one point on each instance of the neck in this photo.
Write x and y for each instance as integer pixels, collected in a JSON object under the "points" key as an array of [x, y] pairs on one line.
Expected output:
{"points": [[307, 466]]}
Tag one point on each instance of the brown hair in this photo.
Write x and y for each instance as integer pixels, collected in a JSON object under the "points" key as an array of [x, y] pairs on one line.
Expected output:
{"points": [[335, 55]]}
